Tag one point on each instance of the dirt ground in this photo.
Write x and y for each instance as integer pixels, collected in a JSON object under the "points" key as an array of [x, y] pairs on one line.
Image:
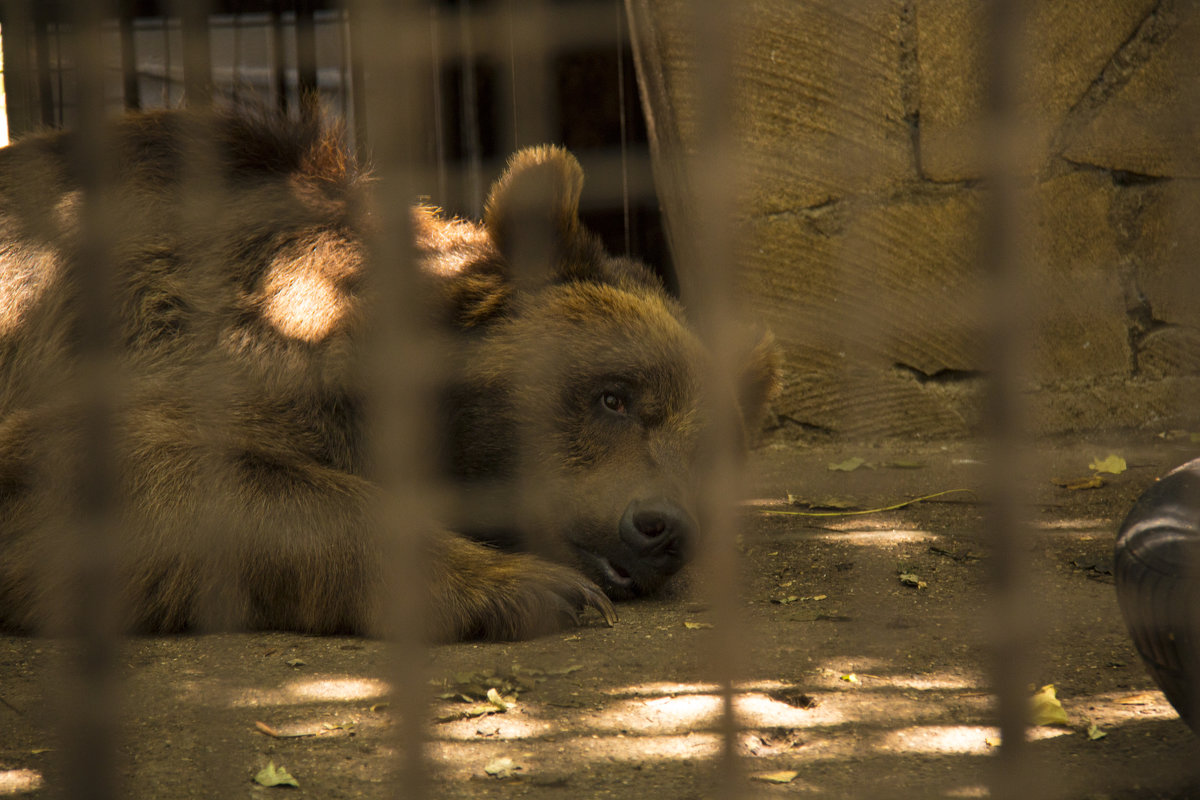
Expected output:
{"points": [[856, 685]]}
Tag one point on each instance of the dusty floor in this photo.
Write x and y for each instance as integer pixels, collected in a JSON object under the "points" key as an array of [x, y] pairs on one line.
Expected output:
{"points": [[627, 712]]}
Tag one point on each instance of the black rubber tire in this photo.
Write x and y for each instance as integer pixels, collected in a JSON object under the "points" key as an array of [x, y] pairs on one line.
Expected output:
{"points": [[1157, 571]]}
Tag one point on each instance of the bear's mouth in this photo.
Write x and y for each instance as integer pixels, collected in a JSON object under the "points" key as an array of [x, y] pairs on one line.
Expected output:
{"points": [[613, 578]]}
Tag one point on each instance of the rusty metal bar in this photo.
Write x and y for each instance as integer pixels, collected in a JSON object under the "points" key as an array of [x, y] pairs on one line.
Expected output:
{"points": [[470, 143], [197, 52], [306, 54], [91, 697], [708, 285], [399, 369], [45, 78], [129, 74], [279, 55], [1003, 239]]}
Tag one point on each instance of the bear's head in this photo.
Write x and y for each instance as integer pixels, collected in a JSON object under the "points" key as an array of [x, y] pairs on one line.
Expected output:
{"points": [[585, 415]]}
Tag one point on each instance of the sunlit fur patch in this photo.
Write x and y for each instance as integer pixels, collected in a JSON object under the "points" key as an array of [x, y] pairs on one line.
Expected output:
{"points": [[303, 296], [449, 246], [25, 273]]}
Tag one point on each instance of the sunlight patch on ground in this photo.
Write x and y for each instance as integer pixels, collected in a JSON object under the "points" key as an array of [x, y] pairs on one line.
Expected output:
{"points": [[1037, 734], [1074, 525], [967, 792], [658, 715], [663, 688], [933, 682], [1126, 707], [941, 739], [19, 781], [507, 726], [875, 537], [845, 665], [469, 758], [761, 711], [684, 709], [309, 691]]}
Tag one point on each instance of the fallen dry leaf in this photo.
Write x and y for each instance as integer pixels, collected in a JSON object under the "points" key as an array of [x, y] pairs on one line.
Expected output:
{"points": [[1075, 484], [849, 465], [1045, 707], [1139, 699], [270, 775], [503, 767], [275, 733], [1112, 463], [778, 776]]}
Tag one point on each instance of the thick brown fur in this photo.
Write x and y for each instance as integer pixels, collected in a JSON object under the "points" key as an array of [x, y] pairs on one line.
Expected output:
{"points": [[578, 377]]}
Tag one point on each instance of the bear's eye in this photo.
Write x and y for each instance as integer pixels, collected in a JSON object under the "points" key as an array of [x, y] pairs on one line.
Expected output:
{"points": [[613, 402]]}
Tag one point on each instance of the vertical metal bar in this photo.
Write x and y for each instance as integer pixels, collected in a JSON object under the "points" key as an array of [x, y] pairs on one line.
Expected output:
{"points": [[356, 37], [620, 8], [129, 75], [20, 70], [45, 85], [510, 13], [399, 366], [710, 284], [439, 122], [211, 386], [531, 74], [166, 84], [306, 56], [279, 55], [472, 147], [197, 52], [235, 69], [91, 693], [1002, 247], [345, 85]]}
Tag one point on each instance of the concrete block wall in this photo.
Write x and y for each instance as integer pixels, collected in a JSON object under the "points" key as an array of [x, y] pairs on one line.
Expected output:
{"points": [[862, 196]]}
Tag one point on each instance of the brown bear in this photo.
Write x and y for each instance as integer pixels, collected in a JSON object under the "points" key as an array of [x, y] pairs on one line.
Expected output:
{"points": [[582, 381]]}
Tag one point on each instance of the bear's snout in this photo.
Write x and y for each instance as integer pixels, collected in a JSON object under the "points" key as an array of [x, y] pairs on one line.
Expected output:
{"points": [[658, 533]]}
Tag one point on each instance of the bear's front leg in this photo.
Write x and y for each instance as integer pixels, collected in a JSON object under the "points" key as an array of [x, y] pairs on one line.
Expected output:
{"points": [[477, 592]]}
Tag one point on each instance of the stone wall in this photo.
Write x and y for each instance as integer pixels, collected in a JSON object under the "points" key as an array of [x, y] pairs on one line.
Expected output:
{"points": [[861, 127]]}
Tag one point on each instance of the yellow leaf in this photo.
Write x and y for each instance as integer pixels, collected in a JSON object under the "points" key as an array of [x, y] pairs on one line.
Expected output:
{"points": [[1139, 699], [502, 767], [693, 626], [503, 703], [1113, 464], [270, 775], [779, 776], [1045, 708], [1094, 732], [849, 465], [851, 678], [992, 741]]}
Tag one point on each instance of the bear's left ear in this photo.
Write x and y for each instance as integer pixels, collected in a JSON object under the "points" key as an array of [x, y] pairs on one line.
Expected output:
{"points": [[758, 382], [532, 213]]}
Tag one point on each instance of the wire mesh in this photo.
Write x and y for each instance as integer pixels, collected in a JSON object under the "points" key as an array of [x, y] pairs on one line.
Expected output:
{"points": [[434, 97]]}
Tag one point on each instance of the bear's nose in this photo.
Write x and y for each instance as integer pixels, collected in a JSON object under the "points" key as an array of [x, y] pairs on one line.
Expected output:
{"points": [[659, 533]]}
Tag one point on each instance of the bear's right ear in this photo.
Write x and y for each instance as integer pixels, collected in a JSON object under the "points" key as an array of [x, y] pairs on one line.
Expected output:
{"points": [[532, 213]]}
